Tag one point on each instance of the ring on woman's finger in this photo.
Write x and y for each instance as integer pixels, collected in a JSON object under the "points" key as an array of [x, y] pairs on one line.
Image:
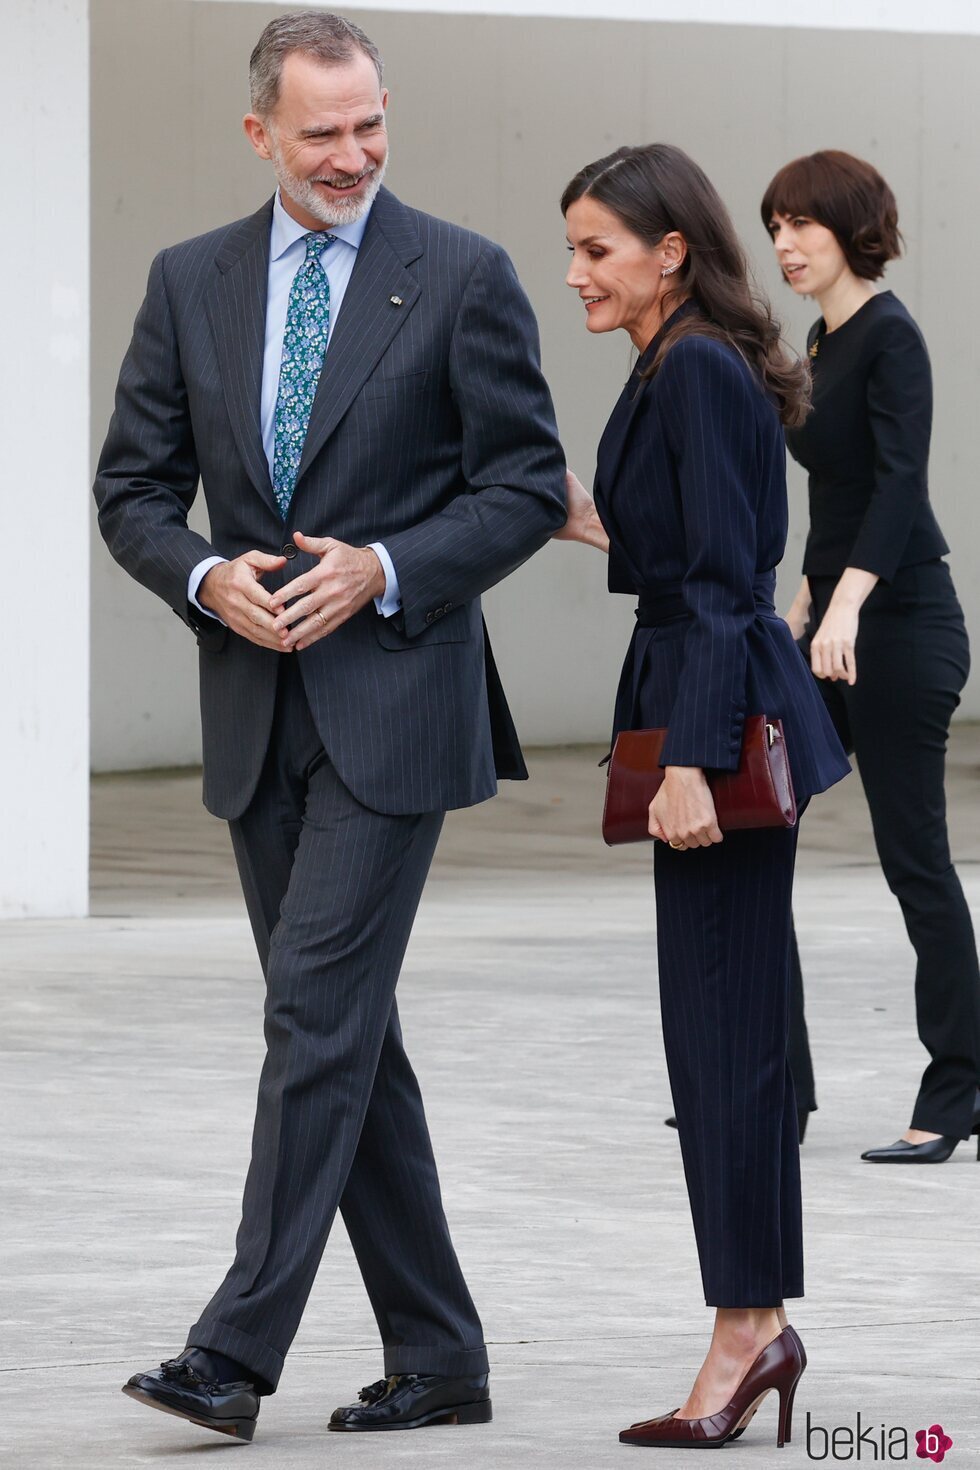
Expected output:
{"points": [[319, 614], [677, 846]]}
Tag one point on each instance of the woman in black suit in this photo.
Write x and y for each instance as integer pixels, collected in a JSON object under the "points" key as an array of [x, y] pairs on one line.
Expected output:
{"points": [[886, 636], [690, 503]]}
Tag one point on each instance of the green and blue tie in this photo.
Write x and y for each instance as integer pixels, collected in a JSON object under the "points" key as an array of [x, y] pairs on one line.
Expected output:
{"points": [[303, 347]]}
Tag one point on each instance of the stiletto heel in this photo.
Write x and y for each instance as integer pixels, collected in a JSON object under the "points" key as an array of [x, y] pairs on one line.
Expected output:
{"points": [[786, 1397], [779, 1366]]}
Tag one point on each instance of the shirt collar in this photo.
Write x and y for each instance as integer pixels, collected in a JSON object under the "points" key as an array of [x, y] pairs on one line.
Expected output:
{"points": [[286, 230]]}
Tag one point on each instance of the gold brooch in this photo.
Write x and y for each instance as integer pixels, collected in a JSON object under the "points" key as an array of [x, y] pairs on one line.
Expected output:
{"points": [[815, 348]]}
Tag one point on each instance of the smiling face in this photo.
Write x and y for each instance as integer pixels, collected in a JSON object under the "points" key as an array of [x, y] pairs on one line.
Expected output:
{"points": [[809, 255], [326, 138], [617, 275]]}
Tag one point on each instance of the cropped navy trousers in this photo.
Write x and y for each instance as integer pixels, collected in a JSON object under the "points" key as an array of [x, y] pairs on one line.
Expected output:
{"points": [[723, 940]]}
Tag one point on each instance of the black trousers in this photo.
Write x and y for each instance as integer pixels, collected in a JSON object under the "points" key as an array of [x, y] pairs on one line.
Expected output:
{"points": [[913, 658], [723, 931], [332, 889]]}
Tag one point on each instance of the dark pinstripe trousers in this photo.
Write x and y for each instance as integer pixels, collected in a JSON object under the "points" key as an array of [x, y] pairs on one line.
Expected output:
{"points": [[723, 929], [332, 889]]}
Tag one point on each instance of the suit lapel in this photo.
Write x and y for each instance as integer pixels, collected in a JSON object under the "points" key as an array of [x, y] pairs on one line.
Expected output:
{"points": [[368, 320], [236, 302], [613, 443]]}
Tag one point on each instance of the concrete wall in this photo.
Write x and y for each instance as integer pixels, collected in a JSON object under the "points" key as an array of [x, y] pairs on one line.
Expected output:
{"points": [[952, 16], [489, 118], [44, 413]]}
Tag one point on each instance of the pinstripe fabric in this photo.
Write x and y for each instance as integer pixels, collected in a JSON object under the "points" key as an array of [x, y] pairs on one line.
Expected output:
{"points": [[691, 488], [431, 430], [723, 926], [332, 890]]}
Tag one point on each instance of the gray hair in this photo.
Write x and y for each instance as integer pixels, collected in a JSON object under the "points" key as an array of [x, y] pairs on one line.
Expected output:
{"points": [[318, 33]]}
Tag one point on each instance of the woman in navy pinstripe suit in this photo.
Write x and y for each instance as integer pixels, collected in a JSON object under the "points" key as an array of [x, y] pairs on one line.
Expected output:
{"points": [[690, 503]]}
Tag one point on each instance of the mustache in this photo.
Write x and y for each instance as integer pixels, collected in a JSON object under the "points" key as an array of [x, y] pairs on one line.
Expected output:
{"points": [[343, 181]]}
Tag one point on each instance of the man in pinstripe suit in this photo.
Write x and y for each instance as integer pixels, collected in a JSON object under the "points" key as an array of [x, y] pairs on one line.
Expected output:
{"points": [[356, 385]]}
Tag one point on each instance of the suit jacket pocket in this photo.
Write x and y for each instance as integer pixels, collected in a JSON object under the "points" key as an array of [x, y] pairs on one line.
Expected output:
{"points": [[452, 627], [381, 387]]}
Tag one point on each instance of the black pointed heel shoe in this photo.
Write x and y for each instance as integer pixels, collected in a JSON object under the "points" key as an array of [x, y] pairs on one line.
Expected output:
{"points": [[934, 1151]]}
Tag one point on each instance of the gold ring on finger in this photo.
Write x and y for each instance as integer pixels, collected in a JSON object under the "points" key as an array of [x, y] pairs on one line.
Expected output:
{"points": [[323, 621], [677, 846]]}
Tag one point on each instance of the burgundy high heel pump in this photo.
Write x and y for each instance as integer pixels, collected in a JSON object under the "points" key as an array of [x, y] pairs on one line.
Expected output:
{"points": [[779, 1366]]}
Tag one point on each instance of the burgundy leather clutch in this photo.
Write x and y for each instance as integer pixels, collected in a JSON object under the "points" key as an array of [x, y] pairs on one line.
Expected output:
{"points": [[758, 794]]}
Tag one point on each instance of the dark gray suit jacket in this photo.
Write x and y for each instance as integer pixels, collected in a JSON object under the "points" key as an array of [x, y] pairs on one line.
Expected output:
{"points": [[432, 431]]}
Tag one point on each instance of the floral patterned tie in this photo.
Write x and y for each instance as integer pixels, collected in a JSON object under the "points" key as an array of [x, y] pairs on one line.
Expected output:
{"points": [[303, 346]]}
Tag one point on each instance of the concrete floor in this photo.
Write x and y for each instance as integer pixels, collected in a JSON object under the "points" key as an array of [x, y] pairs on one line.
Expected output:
{"points": [[132, 1043]]}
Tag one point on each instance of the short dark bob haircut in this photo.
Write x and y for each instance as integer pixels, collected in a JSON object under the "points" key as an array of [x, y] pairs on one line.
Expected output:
{"points": [[846, 195]]}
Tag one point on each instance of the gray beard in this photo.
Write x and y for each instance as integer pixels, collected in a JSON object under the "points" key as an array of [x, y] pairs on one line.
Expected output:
{"points": [[329, 212]]}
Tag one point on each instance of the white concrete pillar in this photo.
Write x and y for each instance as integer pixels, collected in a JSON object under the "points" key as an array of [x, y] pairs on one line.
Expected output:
{"points": [[44, 471]]}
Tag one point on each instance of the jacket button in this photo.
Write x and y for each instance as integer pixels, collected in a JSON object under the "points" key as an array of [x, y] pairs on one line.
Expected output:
{"points": [[288, 551], [430, 617]]}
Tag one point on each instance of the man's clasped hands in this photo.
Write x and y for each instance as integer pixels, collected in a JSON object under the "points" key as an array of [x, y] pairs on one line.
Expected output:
{"points": [[345, 579]]}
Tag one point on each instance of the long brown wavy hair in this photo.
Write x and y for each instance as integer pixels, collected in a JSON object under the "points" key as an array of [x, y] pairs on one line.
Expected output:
{"points": [[657, 189]]}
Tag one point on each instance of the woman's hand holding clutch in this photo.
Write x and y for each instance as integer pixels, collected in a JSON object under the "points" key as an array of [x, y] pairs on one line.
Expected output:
{"points": [[682, 813], [583, 523]]}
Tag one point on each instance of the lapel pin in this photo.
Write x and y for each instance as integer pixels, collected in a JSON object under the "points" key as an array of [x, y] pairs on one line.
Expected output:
{"points": [[395, 300]]}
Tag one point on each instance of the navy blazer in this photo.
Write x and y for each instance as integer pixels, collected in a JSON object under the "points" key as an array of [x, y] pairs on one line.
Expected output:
{"points": [[691, 487], [432, 430]]}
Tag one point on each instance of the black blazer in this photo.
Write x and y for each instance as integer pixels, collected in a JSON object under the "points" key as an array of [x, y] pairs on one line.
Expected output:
{"points": [[432, 430], [691, 488]]}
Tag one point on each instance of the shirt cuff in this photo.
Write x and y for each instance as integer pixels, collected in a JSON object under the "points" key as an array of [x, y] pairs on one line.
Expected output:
{"points": [[391, 602], [194, 581]]}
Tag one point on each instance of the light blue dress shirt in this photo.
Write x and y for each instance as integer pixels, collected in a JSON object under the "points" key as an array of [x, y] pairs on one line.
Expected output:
{"points": [[287, 252]]}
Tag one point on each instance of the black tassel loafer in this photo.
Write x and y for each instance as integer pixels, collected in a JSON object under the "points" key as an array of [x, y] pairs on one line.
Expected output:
{"points": [[188, 1386], [412, 1400]]}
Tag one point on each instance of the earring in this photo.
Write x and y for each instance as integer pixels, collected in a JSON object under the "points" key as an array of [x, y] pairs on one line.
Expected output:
{"points": [[669, 270]]}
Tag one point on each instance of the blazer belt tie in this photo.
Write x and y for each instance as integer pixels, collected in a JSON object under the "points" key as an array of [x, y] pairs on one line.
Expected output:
{"points": [[665, 603]]}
